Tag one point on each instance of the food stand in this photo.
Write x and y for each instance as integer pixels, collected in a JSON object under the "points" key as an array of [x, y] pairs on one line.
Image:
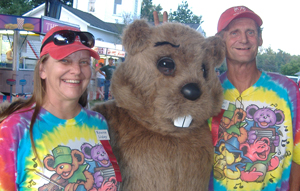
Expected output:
{"points": [[16, 77]]}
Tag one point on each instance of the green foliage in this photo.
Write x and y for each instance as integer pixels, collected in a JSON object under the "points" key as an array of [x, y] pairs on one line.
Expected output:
{"points": [[128, 18], [148, 8], [271, 61], [14, 7], [266, 60], [67, 2], [291, 68], [19, 7], [184, 15], [280, 62]]}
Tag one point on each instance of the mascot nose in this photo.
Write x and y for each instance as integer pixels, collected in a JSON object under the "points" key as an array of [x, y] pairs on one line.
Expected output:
{"points": [[191, 91]]}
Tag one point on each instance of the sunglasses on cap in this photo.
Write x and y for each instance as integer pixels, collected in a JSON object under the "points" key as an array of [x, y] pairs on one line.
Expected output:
{"points": [[65, 37]]}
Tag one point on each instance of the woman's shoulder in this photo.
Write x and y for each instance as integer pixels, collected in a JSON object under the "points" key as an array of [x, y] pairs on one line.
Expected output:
{"points": [[20, 118], [23, 113], [94, 116], [91, 112]]}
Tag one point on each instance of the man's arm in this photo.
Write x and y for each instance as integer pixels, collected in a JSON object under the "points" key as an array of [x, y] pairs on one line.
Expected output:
{"points": [[103, 68], [295, 177], [101, 73], [98, 69], [8, 57]]}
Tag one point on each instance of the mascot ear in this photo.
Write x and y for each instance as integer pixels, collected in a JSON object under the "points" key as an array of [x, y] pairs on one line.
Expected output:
{"points": [[215, 49], [136, 37]]}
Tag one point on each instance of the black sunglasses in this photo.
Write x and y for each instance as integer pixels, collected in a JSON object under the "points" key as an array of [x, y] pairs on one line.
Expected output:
{"points": [[65, 37]]}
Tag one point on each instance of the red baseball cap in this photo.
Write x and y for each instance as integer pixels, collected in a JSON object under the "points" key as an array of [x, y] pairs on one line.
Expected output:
{"points": [[60, 52], [237, 12]]}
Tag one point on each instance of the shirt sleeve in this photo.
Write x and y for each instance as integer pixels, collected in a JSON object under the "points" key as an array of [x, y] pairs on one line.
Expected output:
{"points": [[296, 131], [8, 151]]}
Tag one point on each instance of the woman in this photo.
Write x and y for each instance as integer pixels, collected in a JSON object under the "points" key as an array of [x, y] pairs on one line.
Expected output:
{"points": [[100, 81], [51, 142]]}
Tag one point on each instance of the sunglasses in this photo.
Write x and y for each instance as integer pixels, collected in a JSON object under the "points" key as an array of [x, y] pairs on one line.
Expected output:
{"points": [[65, 37]]}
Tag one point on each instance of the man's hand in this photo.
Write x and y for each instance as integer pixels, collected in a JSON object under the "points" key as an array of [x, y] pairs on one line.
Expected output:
{"points": [[156, 19]]}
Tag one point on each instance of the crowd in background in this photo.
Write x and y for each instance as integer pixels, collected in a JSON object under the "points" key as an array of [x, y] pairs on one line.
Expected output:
{"points": [[100, 81]]}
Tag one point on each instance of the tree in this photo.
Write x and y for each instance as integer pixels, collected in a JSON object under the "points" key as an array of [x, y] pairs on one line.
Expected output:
{"points": [[128, 18], [269, 60], [19, 7], [266, 60], [184, 15], [147, 10], [14, 7], [291, 68]]}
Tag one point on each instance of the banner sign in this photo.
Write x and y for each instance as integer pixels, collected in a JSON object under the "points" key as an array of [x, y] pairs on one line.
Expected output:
{"points": [[12, 22], [113, 52], [100, 50], [48, 23], [37, 25], [110, 52]]}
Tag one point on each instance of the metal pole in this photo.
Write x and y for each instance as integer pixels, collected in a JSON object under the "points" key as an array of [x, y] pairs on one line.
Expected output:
{"points": [[46, 8], [16, 59]]}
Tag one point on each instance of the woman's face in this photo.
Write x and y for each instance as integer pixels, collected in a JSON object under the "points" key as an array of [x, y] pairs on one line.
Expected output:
{"points": [[68, 78]]}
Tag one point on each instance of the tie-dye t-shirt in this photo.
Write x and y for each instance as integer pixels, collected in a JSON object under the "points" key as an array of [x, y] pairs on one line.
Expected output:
{"points": [[258, 135], [74, 153]]}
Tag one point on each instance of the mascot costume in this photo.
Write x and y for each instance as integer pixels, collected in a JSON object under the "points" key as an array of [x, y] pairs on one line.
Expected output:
{"points": [[164, 93]]}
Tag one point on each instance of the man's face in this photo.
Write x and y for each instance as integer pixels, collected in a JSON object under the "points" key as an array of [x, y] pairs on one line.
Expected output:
{"points": [[242, 41], [111, 62]]}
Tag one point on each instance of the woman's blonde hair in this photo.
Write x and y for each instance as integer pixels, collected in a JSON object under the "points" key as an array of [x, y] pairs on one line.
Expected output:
{"points": [[39, 91]]}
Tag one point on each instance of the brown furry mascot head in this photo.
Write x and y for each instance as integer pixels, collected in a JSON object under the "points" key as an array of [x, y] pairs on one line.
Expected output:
{"points": [[164, 93]]}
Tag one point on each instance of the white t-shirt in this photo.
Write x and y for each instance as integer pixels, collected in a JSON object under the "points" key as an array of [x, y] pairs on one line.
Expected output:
{"points": [[99, 75]]}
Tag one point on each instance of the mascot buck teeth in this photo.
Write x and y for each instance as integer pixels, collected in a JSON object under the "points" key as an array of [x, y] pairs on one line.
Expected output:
{"points": [[164, 94]]}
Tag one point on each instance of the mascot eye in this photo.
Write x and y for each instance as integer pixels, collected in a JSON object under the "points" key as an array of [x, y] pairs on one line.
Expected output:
{"points": [[166, 66]]}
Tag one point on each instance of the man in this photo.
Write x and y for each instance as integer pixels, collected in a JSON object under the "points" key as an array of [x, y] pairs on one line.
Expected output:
{"points": [[257, 140], [9, 54], [108, 69]]}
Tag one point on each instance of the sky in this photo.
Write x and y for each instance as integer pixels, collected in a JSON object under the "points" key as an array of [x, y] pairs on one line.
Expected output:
{"points": [[281, 19]]}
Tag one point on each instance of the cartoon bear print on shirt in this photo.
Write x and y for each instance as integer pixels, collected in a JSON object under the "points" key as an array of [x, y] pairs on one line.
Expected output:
{"points": [[265, 123], [99, 165], [247, 143], [70, 170]]}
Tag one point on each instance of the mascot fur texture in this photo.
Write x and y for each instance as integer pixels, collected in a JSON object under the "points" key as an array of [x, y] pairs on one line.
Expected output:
{"points": [[169, 73]]}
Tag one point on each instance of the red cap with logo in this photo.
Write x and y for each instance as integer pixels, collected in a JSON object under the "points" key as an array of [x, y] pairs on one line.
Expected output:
{"points": [[60, 52], [237, 12]]}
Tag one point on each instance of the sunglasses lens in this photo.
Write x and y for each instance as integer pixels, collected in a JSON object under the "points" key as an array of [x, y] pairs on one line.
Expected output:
{"points": [[64, 37], [87, 39]]}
